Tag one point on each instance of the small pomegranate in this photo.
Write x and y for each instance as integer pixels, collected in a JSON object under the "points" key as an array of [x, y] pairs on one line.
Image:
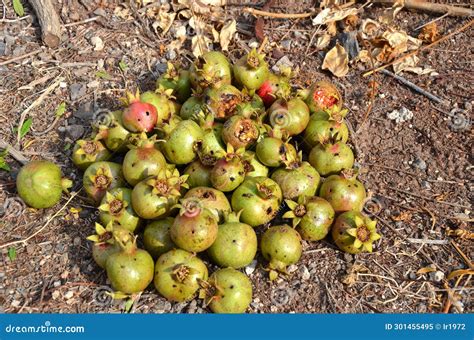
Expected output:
{"points": [[297, 178], [103, 243], [240, 132], [212, 69], [251, 105], [251, 70], [312, 216], [281, 246], [344, 192], [39, 184], [138, 116], [211, 199], [178, 275], [191, 107], [354, 233], [210, 147], [86, 152], [273, 88], [199, 174], [235, 245], [176, 79], [259, 199], [180, 142], [195, 228], [323, 96], [228, 291], [228, 172], [222, 101], [331, 158], [156, 237], [131, 269], [325, 130], [273, 150], [252, 165], [116, 207], [100, 177], [112, 132], [162, 102], [290, 115], [155, 196], [143, 160]]}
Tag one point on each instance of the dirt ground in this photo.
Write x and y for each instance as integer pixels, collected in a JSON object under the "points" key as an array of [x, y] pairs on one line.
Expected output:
{"points": [[419, 172]]}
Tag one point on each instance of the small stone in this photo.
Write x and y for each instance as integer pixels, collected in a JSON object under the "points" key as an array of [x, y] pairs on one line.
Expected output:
{"points": [[56, 284], [401, 115], [93, 84], [100, 12], [85, 111], [74, 131], [292, 268], [15, 303], [253, 43], [77, 241], [171, 54], [348, 257], [412, 276], [69, 295], [306, 274], [274, 309], [192, 307], [286, 44], [161, 67], [3, 48], [283, 61], [419, 164], [55, 295], [426, 185], [98, 43], [77, 90], [436, 276], [251, 267]]}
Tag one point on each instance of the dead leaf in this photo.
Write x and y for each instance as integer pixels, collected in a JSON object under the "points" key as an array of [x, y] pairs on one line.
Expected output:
{"points": [[426, 270], [200, 44], [406, 63], [323, 41], [227, 34], [333, 14], [460, 272], [369, 28], [429, 33], [390, 13], [331, 28], [363, 57], [165, 21], [336, 61], [403, 216]]}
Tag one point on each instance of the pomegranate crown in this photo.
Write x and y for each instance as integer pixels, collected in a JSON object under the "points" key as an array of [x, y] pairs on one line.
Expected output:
{"points": [[364, 233], [130, 97], [297, 210], [255, 59], [114, 203], [102, 234]]}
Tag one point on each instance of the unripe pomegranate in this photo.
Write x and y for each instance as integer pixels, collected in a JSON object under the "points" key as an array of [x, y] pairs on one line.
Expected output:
{"points": [[138, 116]]}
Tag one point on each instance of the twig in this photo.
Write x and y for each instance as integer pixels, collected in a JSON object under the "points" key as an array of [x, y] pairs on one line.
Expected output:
{"points": [[256, 12], [9, 21], [24, 241], [13, 152], [432, 21], [82, 21], [431, 7], [414, 87], [8, 61], [37, 102], [461, 253], [425, 241], [460, 29], [430, 199]]}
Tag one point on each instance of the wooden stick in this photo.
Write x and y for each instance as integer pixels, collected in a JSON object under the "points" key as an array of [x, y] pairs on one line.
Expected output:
{"points": [[447, 36], [431, 7], [13, 152], [256, 12], [23, 56], [49, 22]]}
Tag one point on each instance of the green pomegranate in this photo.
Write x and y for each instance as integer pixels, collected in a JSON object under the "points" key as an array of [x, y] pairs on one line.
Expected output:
{"points": [[176, 79], [39, 184], [354, 233], [250, 106], [210, 147], [251, 70], [331, 158], [155, 196], [211, 199], [228, 291], [240, 132], [131, 269], [344, 192], [161, 100], [212, 69], [103, 244], [180, 142], [325, 130], [313, 217], [259, 198], [281, 246], [297, 178], [112, 132], [156, 237], [252, 165], [195, 228], [199, 174], [273, 150], [229, 171], [143, 160], [178, 275], [235, 245], [86, 152], [116, 207], [100, 177], [191, 108], [290, 115], [222, 101], [324, 96]]}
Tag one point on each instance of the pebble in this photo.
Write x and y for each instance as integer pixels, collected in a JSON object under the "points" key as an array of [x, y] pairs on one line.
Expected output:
{"points": [[56, 284], [77, 90], [419, 164], [436, 276], [292, 268], [306, 274], [15, 303], [100, 12], [283, 61], [348, 257], [3, 48], [286, 44], [74, 131], [77, 241], [85, 111], [69, 295], [55, 294], [401, 115], [253, 43], [171, 54], [251, 267], [161, 67], [98, 43], [192, 307], [412, 276], [93, 84]]}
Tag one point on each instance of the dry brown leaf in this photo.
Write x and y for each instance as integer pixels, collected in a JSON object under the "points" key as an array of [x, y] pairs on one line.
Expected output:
{"points": [[460, 272], [227, 34], [369, 28], [200, 44], [461, 233], [429, 33], [165, 20], [363, 57], [331, 28], [390, 13], [333, 14], [426, 270], [323, 41], [336, 61], [409, 62], [403, 216]]}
